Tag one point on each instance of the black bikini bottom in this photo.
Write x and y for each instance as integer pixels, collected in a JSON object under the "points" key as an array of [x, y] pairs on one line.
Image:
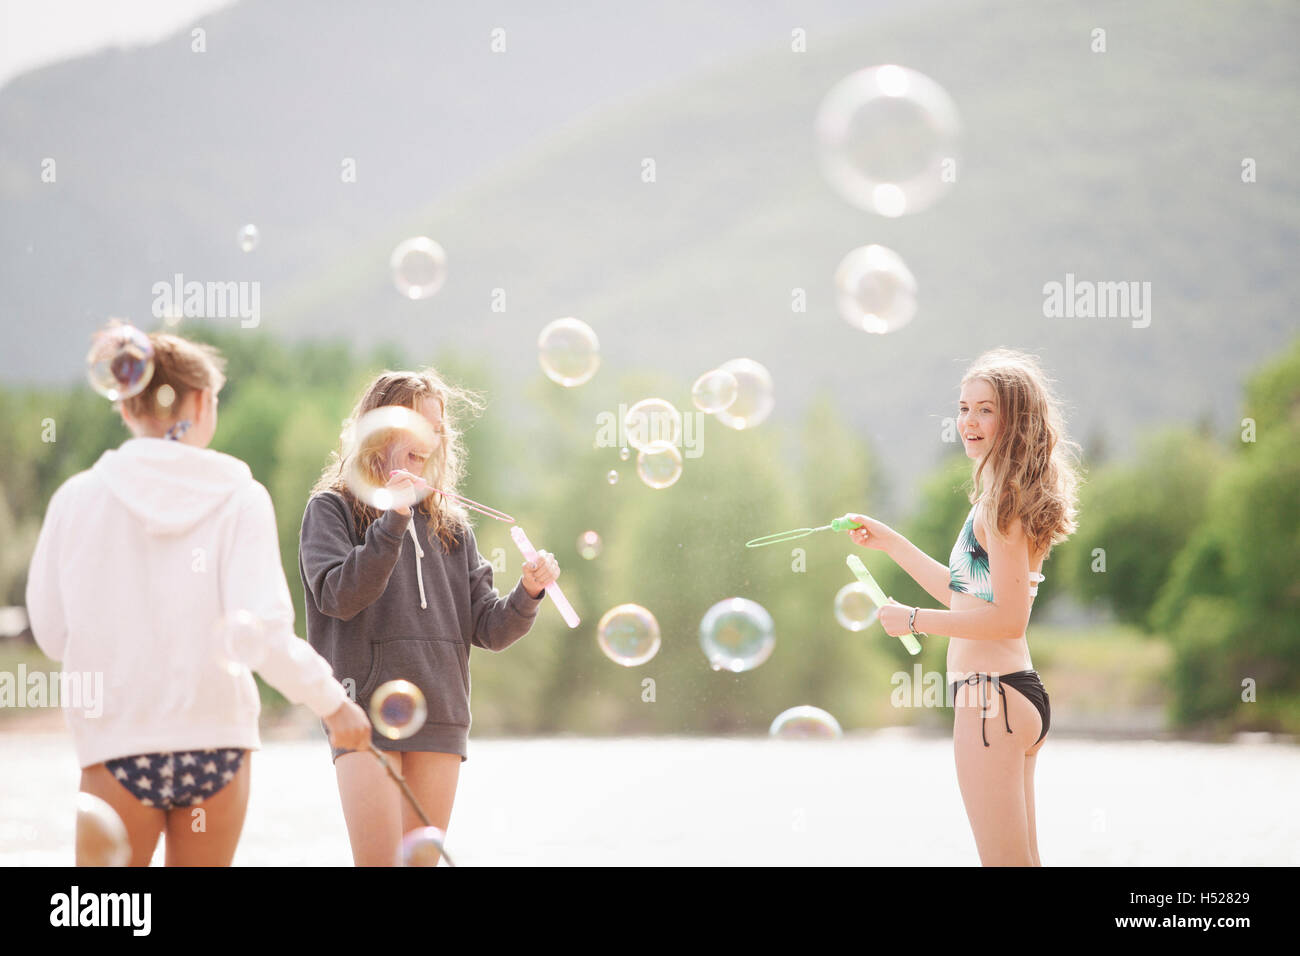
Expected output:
{"points": [[1027, 682]]}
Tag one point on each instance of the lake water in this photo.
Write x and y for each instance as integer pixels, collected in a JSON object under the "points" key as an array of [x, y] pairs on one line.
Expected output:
{"points": [[888, 798]]}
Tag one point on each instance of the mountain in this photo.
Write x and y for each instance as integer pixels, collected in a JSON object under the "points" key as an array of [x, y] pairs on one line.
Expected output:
{"points": [[1123, 165]]}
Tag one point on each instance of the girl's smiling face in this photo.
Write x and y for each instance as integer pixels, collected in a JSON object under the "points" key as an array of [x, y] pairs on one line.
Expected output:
{"points": [[418, 452], [977, 417]]}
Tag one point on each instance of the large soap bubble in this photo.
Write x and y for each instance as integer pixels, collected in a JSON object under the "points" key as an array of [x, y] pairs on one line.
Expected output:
{"points": [[101, 835], [714, 391], [628, 635], [854, 608], [569, 352], [805, 723], [659, 466], [425, 846], [120, 362], [874, 290], [737, 635], [419, 267], [888, 140], [397, 709], [652, 423], [754, 399], [381, 441]]}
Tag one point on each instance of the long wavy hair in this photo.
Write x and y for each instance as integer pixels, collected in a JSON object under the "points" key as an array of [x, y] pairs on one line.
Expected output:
{"points": [[444, 468], [1031, 472]]}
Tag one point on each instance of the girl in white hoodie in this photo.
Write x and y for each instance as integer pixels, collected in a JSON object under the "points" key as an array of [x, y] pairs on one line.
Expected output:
{"points": [[141, 562]]}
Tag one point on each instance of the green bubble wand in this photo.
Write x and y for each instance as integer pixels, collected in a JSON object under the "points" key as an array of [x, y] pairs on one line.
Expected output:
{"points": [[839, 524], [878, 598]]}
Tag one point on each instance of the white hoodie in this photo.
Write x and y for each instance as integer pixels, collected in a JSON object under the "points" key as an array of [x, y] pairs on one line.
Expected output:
{"points": [[137, 562]]}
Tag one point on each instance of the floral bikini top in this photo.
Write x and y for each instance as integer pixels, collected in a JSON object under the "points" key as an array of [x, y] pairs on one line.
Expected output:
{"points": [[968, 565]]}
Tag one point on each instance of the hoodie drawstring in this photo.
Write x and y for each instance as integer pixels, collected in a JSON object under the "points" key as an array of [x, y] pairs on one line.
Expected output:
{"points": [[419, 574]]}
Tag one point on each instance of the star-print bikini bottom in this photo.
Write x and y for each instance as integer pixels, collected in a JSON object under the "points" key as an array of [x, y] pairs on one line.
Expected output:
{"points": [[180, 779]]}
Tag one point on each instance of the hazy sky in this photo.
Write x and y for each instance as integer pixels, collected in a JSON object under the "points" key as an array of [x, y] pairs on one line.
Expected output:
{"points": [[35, 33]]}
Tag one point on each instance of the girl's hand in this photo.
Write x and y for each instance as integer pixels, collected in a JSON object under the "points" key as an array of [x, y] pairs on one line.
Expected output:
{"points": [[873, 534], [348, 727], [893, 618], [538, 574], [403, 485]]}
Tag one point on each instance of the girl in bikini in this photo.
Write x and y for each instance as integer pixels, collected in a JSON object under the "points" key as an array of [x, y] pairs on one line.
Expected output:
{"points": [[1024, 497]]}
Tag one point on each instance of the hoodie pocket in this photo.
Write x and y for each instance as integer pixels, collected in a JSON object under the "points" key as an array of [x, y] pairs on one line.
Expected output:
{"points": [[439, 668]]}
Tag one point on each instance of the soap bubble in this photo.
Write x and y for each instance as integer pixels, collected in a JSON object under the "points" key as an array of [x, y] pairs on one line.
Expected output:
{"points": [[419, 267], [874, 289], [652, 422], [589, 545], [806, 723], [397, 709], [754, 400], [120, 362], [379, 442], [241, 642], [659, 466], [612, 477], [628, 634], [425, 846], [624, 453], [248, 237], [165, 396], [854, 608], [888, 140], [569, 352], [101, 835], [714, 391], [737, 635]]}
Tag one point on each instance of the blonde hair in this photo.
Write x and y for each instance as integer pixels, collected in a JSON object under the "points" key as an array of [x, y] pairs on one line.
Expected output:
{"points": [[179, 366], [1031, 470], [444, 468]]}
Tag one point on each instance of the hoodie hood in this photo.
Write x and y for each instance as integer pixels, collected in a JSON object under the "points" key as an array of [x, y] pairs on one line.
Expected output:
{"points": [[168, 485]]}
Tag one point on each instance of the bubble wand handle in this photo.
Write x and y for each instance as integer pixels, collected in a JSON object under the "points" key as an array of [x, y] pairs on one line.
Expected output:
{"points": [[401, 782], [553, 590], [878, 598]]}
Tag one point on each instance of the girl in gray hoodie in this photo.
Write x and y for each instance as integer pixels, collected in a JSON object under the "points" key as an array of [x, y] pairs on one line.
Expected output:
{"points": [[403, 593]]}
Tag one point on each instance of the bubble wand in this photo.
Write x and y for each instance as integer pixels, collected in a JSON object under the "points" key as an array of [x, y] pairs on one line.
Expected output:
{"points": [[474, 505], [521, 542], [839, 524], [405, 701], [557, 596], [878, 598]]}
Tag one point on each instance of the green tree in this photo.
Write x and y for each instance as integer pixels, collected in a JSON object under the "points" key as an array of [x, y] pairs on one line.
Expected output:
{"points": [[1136, 517]]}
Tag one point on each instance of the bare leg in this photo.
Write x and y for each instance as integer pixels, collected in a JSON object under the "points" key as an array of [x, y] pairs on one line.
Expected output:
{"points": [[206, 834], [432, 777], [372, 806], [1030, 759], [143, 824], [992, 779]]}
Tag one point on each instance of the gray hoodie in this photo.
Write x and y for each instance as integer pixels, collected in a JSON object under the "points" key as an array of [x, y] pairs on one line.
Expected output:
{"points": [[396, 605]]}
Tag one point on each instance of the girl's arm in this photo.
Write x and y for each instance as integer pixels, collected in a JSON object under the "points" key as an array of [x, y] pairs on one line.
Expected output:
{"points": [[252, 580], [1008, 616], [498, 621], [344, 579], [44, 605], [925, 570]]}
